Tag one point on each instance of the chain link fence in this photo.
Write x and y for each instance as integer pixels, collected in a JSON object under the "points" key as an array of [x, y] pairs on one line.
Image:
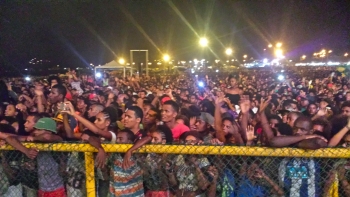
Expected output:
{"points": [[68, 169]]}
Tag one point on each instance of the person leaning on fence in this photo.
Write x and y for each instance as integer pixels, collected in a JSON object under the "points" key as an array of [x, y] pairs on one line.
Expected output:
{"points": [[49, 168], [296, 174], [125, 182]]}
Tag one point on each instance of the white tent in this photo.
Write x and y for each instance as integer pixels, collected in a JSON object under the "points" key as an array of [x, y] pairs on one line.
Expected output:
{"points": [[113, 65]]}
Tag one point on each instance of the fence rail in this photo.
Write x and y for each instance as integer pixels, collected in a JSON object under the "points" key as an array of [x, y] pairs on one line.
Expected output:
{"points": [[334, 154]]}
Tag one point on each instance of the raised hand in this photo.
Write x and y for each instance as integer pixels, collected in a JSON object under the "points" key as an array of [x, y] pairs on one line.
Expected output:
{"points": [[245, 105], [264, 104], [250, 133], [31, 153]]}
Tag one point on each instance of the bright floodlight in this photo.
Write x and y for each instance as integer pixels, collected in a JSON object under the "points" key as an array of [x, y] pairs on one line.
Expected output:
{"points": [[265, 61], [217, 71], [245, 56], [98, 75], [228, 51], [280, 77], [279, 53], [166, 57], [270, 45], [278, 45], [346, 54], [27, 78], [121, 61], [201, 84], [203, 42]]}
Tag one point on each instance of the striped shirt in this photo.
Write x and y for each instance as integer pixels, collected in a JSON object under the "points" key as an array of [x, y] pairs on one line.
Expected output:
{"points": [[125, 183], [300, 177]]}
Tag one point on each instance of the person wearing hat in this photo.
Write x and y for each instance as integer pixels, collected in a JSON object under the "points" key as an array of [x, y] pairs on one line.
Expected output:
{"points": [[50, 180], [204, 125]]}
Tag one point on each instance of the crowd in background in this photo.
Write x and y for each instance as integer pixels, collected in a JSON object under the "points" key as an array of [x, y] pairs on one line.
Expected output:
{"points": [[306, 108]]}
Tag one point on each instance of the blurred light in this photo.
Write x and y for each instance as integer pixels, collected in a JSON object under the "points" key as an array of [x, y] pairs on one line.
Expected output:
{"points": [[245, 56], [265, 61], [201, 84], [217, 61], [192, 71], [98, 75], [278, 45], [330, 51], [159, 63], [149, 63], [303, 57], [27, 78], [270, 45], [217, 71], [26, 69], [203, 42], [121, 61], [280, 77], [195, 61], [166, 57], [228, 51], [282, 71], [279, 53], [346, 54], [264, 49]]}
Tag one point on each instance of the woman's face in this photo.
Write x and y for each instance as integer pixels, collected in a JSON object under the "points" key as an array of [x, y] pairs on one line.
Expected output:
{"points": [[10, 110], [101, 122], [191, 140], [233, 82], [157, 138]]}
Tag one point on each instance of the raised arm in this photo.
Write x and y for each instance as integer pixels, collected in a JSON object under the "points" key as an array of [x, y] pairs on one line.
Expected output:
{"points": [[218, 121], [29, 152], [89, 125], [339, 136]]}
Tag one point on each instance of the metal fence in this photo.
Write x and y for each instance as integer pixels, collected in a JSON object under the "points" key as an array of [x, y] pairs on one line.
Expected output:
{"points": [[176, 170]]}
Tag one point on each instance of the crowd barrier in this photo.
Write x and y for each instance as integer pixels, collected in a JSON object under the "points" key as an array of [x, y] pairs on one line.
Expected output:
{"points": [[231, 169]]}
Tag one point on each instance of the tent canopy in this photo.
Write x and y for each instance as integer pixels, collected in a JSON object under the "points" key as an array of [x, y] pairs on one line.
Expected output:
{"points": [[113, 65]]}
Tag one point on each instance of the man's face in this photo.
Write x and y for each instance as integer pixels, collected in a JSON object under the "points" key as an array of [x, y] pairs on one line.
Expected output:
{"points": [[122, 138], [347, 97], [346, 111], [150, 118], [130, 120], [81, 104], [304, 103], [193, 100], [200, 125], [301, 128], [168, 113], [273, 122], [54, 97], [142, 95], [312, 109], [29, 124], [10, 110]]}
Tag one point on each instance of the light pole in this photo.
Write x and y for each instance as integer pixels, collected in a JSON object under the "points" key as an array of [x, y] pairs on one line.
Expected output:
{"points": [[203, 42], [121, 61]]}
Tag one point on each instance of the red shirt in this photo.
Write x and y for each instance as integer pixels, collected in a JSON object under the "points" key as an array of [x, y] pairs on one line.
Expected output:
{"points": [[178, 130]]}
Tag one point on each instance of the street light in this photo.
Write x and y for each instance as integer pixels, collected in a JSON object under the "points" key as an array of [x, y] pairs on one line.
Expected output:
{"points": [[346, 55], [166, 57], [278, 45], [303, 57], [228, 51], [203, 42], [330, 51], [270, 46], [245, 56], [121, 61]]}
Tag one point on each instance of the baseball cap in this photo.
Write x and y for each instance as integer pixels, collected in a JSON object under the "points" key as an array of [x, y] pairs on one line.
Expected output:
{"points": [[206, 117], [46, 124], [71, 120]]}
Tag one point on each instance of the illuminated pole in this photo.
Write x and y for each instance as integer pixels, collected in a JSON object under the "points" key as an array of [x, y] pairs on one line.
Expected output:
{"points": [[166, 59]]}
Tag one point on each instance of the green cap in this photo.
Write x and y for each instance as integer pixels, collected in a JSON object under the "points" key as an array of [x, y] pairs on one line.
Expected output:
{"points": [[46, 124]]}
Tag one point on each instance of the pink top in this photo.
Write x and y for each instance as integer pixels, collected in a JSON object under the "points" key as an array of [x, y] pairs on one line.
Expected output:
{"points": [[178, 130]]}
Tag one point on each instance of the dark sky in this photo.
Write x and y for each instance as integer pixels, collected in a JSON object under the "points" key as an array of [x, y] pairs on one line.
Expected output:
{"points": [[77, 33]]}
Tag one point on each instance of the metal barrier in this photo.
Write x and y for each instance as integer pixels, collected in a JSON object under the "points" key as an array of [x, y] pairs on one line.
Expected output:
{"points": [[318, 167]]}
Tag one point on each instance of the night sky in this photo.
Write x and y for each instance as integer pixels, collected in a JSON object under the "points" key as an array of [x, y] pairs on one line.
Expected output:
{"points": [[77, 33]]}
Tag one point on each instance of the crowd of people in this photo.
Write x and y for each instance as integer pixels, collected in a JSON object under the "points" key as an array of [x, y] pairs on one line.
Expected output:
{"points": [[308, 108]]}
